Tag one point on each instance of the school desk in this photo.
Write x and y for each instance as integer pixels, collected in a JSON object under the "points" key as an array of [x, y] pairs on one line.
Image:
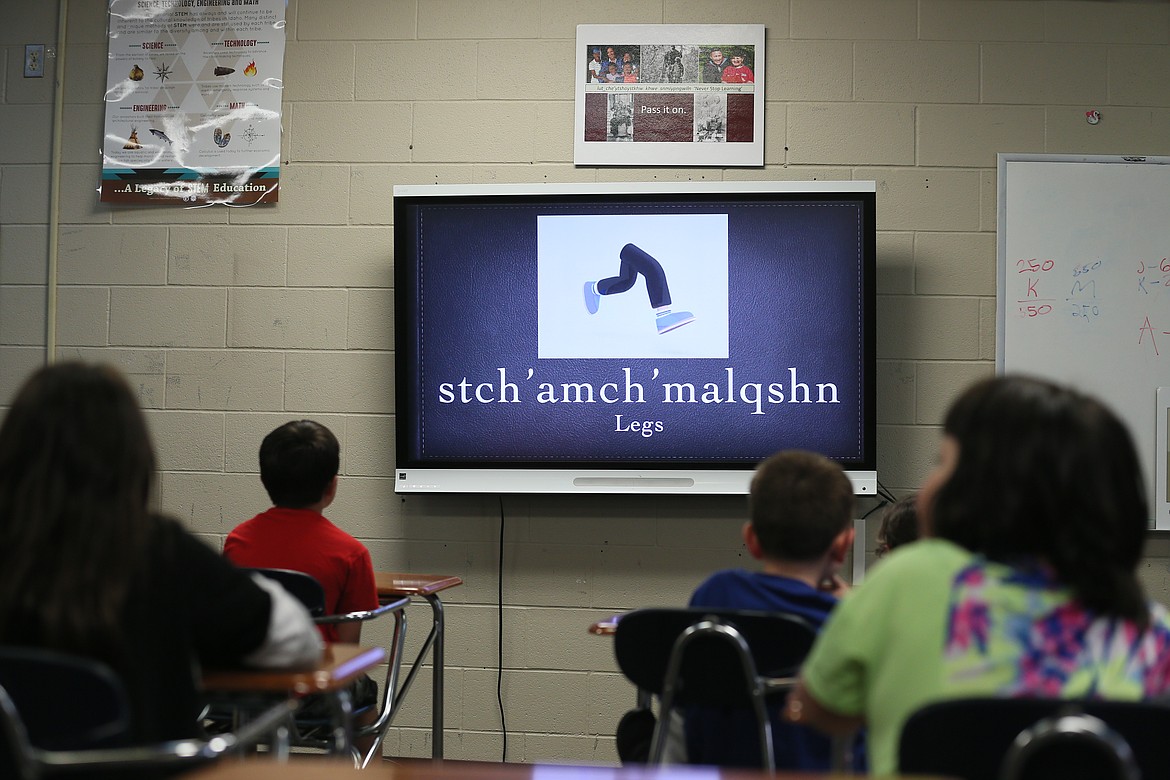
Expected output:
{"points": [[393, 584], [406, 769], [341, 664]]}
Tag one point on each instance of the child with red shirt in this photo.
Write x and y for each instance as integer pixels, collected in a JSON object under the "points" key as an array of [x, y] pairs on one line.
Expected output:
{"points": [[298, 466], [299, 462], [738, 72]]}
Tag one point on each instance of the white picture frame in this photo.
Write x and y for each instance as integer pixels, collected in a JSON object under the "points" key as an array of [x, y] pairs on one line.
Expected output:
{"points": [[696, 97]]}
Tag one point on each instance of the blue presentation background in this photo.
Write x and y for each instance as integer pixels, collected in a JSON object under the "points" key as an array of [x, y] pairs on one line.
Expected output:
{"points": [[795, 278]]}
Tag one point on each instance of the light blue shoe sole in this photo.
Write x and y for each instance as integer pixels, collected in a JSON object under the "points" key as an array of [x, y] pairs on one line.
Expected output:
{"points": [[674, 321]]}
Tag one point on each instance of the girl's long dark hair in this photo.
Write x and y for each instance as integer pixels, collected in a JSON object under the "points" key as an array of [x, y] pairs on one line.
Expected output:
{"points": [[76, 468], [1047, 473]]}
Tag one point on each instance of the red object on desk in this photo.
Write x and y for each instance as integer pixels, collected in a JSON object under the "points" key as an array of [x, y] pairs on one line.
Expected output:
{"points": [[606, 626]]}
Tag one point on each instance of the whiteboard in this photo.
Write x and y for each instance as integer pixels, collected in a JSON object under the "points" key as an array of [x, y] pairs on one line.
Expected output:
{"points": [[1084, 286]]}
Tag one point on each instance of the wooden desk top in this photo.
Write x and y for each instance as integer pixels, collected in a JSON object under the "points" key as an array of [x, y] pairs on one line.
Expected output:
{"points": [[415, 769], [605, 626], [397, 583], [341, 664]]}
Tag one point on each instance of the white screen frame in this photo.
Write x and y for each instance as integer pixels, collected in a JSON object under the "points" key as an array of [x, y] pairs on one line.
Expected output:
{"points": [[493, 480]]}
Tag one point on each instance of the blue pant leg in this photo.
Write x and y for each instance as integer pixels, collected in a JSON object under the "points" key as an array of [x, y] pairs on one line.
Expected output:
{"points": [[627, 275], [634, 262]]}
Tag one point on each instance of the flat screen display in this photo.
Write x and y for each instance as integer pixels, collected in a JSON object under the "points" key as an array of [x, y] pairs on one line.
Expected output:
{"points": [[631, 337]]}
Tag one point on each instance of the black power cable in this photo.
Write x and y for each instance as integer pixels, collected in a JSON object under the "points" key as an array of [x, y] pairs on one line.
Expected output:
{"points": [[500, 637]]}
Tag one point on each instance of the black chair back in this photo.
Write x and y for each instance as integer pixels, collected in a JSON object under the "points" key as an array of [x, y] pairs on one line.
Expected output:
{"points": [[710, 672], [15, 751], [303, 586], [717, 658], [20, 759], [1068, 746], [65, 702], [971, 738]]}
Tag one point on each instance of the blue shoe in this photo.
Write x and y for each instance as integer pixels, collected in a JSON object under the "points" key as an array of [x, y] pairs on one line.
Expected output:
{"points": [[592, 297], [668, 321]]}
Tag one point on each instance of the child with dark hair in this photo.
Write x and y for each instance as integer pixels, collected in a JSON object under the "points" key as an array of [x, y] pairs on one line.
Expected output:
{"points": [[1029, 587], [801, 510], [899, 525], [801, 529], [88, 568], [299, 462]]}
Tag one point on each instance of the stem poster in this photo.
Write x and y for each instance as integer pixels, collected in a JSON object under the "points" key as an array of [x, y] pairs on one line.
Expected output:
{"points": [[193, 90]]}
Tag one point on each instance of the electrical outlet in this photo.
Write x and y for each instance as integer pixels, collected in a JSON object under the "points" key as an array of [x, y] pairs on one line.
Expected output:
{"points": [[34, 60]]}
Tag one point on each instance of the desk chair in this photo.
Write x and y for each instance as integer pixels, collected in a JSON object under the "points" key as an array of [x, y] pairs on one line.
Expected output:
{"points": [[315, 733], [1069, 745], [303, 587], [65, 701], [997, 739], [728, 658], [62, 713]]}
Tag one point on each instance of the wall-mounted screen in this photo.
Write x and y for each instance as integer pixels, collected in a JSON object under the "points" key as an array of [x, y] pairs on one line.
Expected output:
{"points": [[623, 338]]}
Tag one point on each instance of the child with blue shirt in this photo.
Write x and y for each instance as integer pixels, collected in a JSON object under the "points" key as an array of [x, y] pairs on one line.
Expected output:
{"points": [[801, 510]]}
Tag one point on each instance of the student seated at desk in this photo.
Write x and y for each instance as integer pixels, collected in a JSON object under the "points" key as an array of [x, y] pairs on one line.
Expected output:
{"points": [[1028, 588], [801, 528], [899, 525], [87, 568], [299, 462]]}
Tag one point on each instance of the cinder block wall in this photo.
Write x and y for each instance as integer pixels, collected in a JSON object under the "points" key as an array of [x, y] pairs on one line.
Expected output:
{"points": [[230, 322]]}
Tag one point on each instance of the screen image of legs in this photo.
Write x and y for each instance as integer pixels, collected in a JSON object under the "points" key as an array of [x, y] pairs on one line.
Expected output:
{"points": [[635, 261]]}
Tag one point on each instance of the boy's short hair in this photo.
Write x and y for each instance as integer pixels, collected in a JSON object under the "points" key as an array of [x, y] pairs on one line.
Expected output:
{"points": [[899, 525], [298, 461], [800, 501]]}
